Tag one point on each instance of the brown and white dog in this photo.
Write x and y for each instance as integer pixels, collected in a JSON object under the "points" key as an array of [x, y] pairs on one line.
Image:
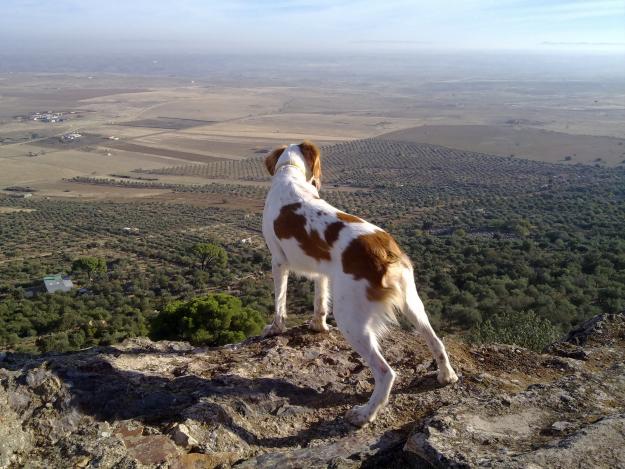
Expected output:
{"points": [[356, 263]]}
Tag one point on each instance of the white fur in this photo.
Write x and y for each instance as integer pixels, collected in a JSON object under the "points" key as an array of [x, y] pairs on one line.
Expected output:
{"points": [[360, 320]]}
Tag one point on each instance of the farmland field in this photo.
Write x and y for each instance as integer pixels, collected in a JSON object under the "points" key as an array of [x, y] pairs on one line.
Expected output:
{"points": [[530, 143], [487, 234]]}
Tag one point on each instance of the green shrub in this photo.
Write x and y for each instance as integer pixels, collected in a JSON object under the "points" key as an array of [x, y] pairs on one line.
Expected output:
{"points": [[215, 319], [524, 329]]}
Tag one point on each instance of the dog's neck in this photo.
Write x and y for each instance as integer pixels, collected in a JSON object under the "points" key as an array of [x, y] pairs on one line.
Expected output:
{"points": [[292, 158]]}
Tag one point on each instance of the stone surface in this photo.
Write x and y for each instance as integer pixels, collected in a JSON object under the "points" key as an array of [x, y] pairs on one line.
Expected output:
{"points": [[183, 436], [575, 420], [151, 450], [280, 402], [13, 440]]}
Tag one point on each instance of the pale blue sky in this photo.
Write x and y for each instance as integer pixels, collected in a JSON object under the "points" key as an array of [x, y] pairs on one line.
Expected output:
{"points": [[308, 25]]}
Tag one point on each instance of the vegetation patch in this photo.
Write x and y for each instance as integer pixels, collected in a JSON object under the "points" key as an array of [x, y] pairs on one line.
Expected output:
{"points": [[491, 239], [216, 319], [524, 329]]}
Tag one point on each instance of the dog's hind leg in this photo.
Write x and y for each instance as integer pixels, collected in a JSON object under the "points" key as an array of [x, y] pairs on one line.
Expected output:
{"points": [[358, 327], [322, 299], [415, 313], [280, 280], [365, 343]]}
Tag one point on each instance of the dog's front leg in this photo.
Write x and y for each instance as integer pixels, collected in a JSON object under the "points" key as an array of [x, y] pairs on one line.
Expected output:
{"points": [[322, 300], [280, 280]]}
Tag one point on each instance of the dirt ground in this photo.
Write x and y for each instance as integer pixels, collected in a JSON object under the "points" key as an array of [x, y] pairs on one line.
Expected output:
{"points": [[210, 200], [527, 143], [94, 192], [4, 210]]}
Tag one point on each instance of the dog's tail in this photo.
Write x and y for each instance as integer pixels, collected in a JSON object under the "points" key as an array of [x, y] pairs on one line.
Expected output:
{"points": [[401, 296]]}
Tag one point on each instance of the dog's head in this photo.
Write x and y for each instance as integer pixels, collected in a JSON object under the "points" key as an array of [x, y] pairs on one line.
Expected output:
{"points": [[312, 158]]}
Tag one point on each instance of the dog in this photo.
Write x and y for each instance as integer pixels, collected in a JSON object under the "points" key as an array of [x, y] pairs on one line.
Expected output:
{"points": [[357, 264]]}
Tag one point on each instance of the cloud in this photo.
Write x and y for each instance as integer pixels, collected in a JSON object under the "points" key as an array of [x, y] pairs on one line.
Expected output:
{"points": [[322, 24], [558, 11], [581, 43]]}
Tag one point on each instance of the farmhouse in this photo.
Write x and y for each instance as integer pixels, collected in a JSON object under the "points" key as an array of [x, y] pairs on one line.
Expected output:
{"points": [[56, 283], [49, 284]]}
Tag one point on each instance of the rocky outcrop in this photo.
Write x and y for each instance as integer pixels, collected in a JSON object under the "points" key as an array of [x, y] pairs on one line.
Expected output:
{"points": [[279, 402], [573, 420]]}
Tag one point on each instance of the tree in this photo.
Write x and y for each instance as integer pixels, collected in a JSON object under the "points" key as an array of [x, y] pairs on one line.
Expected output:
{"points": [[214, 319], [90, 265], [210, 254]]}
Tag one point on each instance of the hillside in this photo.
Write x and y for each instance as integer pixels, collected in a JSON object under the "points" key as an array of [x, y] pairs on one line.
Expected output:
{"points": [[279, 402], [488, 235]]}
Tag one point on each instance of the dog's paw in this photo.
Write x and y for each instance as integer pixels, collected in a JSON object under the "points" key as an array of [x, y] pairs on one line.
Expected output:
{"points": [[273, 329], [359, 416], [318, 325], [447, 376]]}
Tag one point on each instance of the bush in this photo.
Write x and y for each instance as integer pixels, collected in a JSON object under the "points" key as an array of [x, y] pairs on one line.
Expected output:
{"points": [[54, 342], [524, 329], [215, 319]]}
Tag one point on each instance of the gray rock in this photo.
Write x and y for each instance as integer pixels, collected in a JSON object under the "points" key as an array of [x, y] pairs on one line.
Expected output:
{"points": [[14, 441], [594, 328], [182, 436], [600, 444], [483, 433], [561, 426], [280, 402]]}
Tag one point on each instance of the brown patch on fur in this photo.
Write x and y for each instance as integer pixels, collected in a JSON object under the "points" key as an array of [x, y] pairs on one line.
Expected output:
{"points": [[272, 159], [347, 218], [312, 156], [291, 224], [369, 257], [332, 232]]}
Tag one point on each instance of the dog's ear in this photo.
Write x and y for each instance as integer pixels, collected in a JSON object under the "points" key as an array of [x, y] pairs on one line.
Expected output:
{"points": [[272, 159], [313, 158]]}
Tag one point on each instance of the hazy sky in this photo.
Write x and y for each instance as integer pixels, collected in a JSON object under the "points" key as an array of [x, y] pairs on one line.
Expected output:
{"points": [[324, 25]]}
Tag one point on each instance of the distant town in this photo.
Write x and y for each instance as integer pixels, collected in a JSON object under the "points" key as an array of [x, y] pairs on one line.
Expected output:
{"points": [[49, 116]]}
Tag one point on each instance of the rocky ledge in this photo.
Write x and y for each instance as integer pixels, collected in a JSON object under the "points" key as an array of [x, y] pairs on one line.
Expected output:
{"points": [[279, 402]]}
